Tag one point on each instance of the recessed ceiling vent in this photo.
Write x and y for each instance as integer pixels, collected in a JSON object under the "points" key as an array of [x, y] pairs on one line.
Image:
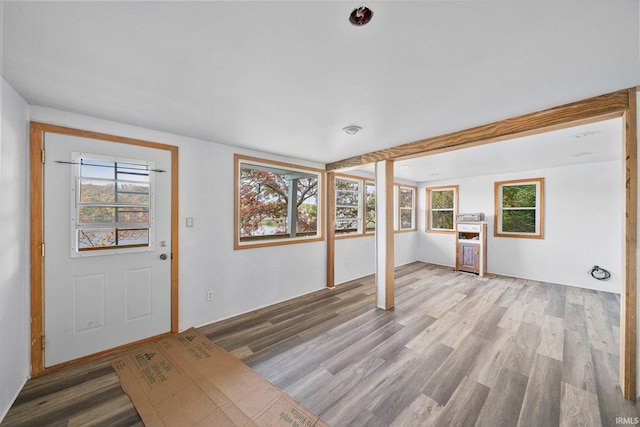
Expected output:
{"points": [[360, 16]]}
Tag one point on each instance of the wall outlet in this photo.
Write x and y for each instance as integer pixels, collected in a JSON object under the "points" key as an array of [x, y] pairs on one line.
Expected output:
{"points": [[209, 295], [189, 221]]}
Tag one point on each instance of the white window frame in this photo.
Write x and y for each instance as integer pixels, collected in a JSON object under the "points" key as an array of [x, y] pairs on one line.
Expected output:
{"points": [[429, 194], [76, 226], [363, 183], [359, 206], [414, 190], [367, 183]]}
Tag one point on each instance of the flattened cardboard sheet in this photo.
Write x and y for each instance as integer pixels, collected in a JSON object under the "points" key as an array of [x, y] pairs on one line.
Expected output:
{"points": [[186, 380]]}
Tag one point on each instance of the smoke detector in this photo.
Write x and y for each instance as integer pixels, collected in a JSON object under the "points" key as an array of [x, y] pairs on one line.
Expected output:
{"points": [[352, 130]]}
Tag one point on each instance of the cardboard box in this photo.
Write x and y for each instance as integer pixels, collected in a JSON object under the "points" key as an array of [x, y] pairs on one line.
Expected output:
{"points": [[186, 380]]}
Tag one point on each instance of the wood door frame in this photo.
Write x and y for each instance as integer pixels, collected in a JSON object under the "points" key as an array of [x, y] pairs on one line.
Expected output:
{"points": [[36, 161], [619, 104]]}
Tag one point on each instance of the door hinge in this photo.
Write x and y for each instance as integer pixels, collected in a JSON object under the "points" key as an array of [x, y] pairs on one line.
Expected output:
{"points": [[43, 342], [42, 156], [42, 249]]}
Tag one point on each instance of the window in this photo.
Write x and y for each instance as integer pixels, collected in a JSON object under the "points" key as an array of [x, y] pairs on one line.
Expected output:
{"points": [[406, 208], [355, 206], [442, 208], [370, 207], [112, 205], [276, 203], [348, 206], [519, 208]]}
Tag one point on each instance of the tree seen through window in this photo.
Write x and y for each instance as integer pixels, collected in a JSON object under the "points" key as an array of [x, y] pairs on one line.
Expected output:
{"points": [[264, 202], [519, 208], [442, 208]]}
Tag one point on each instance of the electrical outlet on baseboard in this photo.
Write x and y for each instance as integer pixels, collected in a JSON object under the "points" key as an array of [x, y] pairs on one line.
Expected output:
{"points": [[209, 295]]}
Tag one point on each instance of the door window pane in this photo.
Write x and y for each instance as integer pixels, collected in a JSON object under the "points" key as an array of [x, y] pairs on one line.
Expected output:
{"points": [[113, 205]]}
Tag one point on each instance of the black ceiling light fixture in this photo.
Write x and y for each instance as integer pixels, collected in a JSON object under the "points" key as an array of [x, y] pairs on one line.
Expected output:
{"points": [[360, 15]]}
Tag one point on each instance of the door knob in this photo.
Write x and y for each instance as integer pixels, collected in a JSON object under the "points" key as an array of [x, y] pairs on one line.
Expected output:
{"points": [[163, 256]]}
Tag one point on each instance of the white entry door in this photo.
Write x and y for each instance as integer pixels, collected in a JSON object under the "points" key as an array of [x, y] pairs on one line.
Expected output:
{"points": [[107, 245]]}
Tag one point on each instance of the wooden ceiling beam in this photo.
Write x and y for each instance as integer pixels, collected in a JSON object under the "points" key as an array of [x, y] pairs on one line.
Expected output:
{"points": [[603, 106]]}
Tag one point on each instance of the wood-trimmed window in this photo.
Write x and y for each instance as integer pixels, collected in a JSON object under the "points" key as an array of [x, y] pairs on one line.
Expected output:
{"points": [[355, 206], [442, 208], [276, 203], [406, 207], [519, 208], [369, 207], [349, 206]]}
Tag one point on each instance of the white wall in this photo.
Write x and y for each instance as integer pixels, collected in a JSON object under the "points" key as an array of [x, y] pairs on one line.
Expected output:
{"points": [[405, 248], [583, 224], [355, 257], [15, 364], [241, 280]]}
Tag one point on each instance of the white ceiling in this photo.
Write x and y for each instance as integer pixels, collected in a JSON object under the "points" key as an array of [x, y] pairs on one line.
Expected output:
{"points": [[595, 142], [286, 77]]}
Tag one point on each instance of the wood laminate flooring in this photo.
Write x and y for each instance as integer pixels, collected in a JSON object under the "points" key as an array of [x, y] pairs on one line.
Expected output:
{"points": [[457, 350]]}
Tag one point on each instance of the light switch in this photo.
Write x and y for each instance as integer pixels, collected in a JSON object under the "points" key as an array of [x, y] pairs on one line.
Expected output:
{"points": [[189, 222]]}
